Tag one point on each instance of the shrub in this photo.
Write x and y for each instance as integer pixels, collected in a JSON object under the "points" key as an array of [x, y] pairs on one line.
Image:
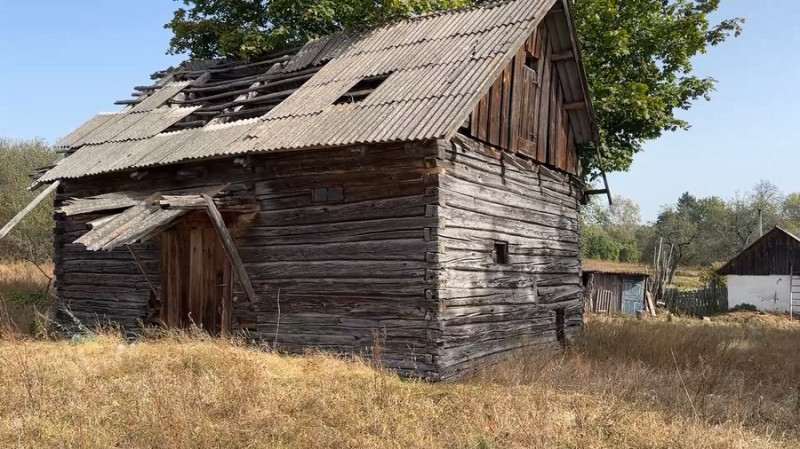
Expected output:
{"points": [[596, 243], [745, 308], [32, 238]]}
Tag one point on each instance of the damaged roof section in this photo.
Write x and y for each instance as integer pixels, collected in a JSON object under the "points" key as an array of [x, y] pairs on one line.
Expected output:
{"points": [[143, 216], [136, 224], [436, 68]]}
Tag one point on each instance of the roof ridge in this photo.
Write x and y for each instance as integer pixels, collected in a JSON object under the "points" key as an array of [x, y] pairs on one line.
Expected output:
{"points": [[479, 5]]}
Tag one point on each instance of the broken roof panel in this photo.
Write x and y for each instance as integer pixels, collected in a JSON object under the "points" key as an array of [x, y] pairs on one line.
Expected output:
{"points": [[129, 227], [143, 216], [439, 65], [135, 125], [160, 96]]}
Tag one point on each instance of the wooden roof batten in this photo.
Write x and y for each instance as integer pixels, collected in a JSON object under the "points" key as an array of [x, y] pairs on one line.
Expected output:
{"points": [[215, 109]]}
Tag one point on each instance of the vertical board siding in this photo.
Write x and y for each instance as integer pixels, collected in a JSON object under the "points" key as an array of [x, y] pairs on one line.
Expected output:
{"points": [[524, 110], [486, 308], [776, 253], [348, 274]]}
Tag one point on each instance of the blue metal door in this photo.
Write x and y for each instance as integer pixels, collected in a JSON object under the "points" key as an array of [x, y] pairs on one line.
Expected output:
{"points": [[632, 295]]}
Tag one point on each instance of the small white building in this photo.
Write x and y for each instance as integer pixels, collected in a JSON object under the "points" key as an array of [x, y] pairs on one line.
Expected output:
{"points": [[765, 273]]}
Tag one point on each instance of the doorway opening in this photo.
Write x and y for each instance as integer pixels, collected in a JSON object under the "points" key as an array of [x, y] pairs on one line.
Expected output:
{"points": [[196, 276]]}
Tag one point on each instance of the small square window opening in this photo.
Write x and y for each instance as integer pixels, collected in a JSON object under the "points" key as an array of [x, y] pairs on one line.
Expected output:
{"points": [[531, 61], [335, 194], [327, 195], [501, 253]]}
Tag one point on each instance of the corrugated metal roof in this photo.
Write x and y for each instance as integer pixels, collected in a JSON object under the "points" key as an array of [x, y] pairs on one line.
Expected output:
{"points": [[160, 96], [129, 227], [439, 65]]}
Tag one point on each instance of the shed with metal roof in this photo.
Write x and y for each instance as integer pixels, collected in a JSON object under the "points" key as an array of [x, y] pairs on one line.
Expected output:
{"points": [[612, 287]]}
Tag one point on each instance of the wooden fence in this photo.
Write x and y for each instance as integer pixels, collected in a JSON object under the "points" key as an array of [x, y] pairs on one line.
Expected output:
{"points": [[602, 303], [707, 301]]}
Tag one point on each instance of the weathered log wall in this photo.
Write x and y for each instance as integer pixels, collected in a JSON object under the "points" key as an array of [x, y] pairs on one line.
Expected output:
{"points": [[348, 271], [102, 287], [391, 244], [488, 307]]}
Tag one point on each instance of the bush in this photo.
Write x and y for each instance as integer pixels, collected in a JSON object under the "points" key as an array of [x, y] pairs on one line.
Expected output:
{"points": [[32, 238], [745, 308], [596, 243], [629, 252]]}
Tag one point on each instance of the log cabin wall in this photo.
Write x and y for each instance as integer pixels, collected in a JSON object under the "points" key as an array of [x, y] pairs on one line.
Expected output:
{"points": [[508, 254], [528, 108], [342, 242], [101, 287]]}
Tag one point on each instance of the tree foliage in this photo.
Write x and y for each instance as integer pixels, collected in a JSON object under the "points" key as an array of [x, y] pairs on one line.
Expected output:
{"points": [[32, 238], [638, 57], [610, 232], [696, 231], [638, 53], [597, 243], [249, 28]]}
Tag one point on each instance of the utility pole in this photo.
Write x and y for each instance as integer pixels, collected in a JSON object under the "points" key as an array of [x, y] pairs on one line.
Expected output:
{"points": [[760, 222]]}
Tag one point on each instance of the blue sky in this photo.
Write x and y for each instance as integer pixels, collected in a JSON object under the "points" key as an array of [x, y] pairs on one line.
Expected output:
{"points": [[64, 61]]}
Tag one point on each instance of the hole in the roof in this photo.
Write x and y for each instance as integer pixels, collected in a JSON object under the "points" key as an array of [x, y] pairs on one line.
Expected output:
{"points": [[531, 61], [362, 89]]}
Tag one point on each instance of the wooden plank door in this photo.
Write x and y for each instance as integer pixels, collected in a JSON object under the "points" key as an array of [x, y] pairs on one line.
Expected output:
{"points": [[196, 276], [632, 295]]}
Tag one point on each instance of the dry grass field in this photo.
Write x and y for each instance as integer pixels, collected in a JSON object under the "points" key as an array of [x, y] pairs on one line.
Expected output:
{"points": [[23, 292], [659, 383]]}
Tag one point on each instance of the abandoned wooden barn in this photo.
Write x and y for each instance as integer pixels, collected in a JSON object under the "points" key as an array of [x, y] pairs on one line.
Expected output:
{"points": [[416, 185]]}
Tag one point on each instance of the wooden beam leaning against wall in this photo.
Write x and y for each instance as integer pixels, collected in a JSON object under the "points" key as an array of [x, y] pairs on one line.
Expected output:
{"points": [[30, 207], [230, 247]]}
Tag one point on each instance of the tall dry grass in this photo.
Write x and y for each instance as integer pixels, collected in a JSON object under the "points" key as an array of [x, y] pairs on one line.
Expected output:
{"points": [[628, 384], [24, 292]]}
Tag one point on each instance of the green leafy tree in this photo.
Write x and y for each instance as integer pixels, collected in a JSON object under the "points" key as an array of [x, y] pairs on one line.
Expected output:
{"points": [[638, 53], [638, 57], [596, 243], [618, 222], [791, 212], [250, 28], [32, 238]]}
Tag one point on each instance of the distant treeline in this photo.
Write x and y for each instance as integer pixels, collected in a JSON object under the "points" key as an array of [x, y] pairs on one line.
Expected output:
{"points": [[699, 231], [32, 239]]}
